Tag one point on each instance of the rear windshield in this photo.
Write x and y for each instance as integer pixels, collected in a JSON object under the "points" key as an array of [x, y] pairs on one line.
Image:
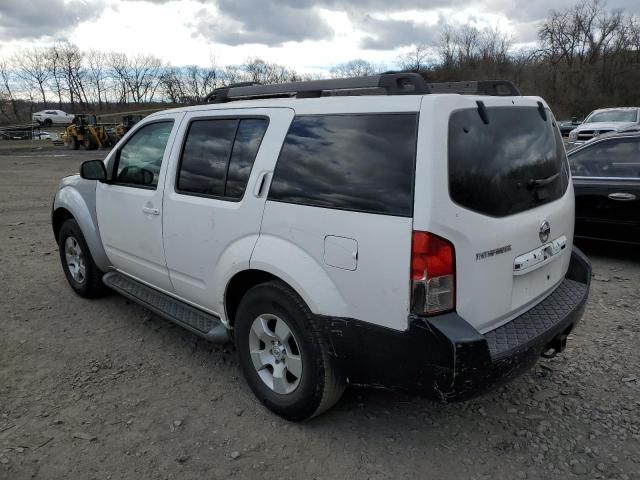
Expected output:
{"points": [[513, 163]]}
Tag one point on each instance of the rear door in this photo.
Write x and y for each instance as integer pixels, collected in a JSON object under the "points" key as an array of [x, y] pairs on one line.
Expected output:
{"points": [[492, 178], [213, 202], [342, 193], [607, 187]]}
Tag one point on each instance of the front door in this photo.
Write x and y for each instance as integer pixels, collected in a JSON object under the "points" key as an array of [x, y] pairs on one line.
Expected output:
{"points": [[129, 206]]}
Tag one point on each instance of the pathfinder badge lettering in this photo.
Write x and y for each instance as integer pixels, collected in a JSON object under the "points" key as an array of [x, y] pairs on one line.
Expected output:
{"points": [[491, 253]]}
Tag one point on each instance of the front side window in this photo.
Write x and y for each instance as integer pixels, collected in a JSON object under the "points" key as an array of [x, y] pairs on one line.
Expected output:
{"points": [[611, 158], [140, 159], [350, 162], [218, 156]]}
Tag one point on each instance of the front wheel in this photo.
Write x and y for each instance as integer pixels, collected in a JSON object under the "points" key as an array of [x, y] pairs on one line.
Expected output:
{"points": [[283, 355], [82, 273]]}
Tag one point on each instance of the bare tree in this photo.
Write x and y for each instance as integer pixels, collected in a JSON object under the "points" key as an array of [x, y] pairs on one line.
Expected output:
{"points": [[119, 73], [354, 68], [31, 67], [68, 61], [6, 94], [97, 75], [416, 59], [142, 77]]}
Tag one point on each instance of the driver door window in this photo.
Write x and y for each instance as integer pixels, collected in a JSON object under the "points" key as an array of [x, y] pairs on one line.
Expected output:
{"points": [[140, 159], [611, 158]]}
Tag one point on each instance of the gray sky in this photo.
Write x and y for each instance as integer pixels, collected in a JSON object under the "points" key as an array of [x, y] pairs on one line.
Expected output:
{"points": [[308, 35]]}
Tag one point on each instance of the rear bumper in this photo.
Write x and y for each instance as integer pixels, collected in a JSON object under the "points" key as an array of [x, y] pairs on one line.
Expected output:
{"points": [[444, 357]]}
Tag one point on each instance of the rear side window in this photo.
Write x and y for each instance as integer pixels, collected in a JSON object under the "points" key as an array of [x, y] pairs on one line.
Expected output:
{"points": [[514, 163], [350, 162], [218, 155], [611, 158]]}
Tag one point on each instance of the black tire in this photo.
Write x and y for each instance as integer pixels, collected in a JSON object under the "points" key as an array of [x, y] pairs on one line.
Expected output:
{"points": [[72, 143], [320, 385], [89, 143], [47, 122], [90, 285]]}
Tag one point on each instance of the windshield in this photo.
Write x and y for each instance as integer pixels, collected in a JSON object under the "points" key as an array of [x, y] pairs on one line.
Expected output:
{"points": [[613, 116], [509, 165]]}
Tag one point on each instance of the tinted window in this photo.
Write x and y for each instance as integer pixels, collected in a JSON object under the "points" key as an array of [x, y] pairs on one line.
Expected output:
{"points": [[352, 162], [513, 163], [245, 148], [204, 159], [218, 156], [140, 159], [612, 158]]}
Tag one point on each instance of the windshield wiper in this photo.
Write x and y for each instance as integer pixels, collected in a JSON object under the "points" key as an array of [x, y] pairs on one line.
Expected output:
{"points": [[535, 183]]}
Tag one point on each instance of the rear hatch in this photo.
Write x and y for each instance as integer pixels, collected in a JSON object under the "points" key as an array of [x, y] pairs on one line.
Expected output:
{"points": [[492, 178]]}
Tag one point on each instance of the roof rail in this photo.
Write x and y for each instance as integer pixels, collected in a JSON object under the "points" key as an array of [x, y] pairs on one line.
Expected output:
{"points": [[383, 84]]}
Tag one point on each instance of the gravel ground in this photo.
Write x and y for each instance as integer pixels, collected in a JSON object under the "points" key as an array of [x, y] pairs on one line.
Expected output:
{"points": [[103, 389]]}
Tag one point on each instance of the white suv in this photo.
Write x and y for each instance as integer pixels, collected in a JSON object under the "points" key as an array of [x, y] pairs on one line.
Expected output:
{"points": [[371, 231]]}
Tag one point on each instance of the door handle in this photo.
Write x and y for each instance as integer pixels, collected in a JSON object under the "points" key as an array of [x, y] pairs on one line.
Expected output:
{"points": [[260, 184], [151, 210], [623, 197]]}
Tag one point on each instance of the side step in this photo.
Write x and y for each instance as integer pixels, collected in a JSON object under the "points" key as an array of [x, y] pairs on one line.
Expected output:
{"points": [[197, 321]]}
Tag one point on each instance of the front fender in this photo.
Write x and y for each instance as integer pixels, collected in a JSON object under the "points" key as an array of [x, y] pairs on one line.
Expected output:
{"points": [[302, 272], [79, 198]]}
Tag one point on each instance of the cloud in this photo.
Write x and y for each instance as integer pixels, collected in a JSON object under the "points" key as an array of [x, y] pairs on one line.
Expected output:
{"points": [[20, 19], [265, 22], [390, 34]]}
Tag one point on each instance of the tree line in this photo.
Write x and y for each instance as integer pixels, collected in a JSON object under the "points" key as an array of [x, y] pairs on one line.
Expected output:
{"points": [[586, 56]]}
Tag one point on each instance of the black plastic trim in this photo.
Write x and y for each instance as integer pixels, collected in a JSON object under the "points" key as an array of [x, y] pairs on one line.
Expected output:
{"points": [[444, 357]]}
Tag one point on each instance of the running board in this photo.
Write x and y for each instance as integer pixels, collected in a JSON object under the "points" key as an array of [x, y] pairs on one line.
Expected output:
{"points": [[197, 321]]}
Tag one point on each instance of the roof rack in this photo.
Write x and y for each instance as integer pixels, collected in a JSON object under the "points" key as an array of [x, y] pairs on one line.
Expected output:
{"points": [[383, 84]]}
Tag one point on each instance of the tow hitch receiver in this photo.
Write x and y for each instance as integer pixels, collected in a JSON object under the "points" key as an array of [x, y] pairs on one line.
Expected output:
{"points": [[556, 346]]}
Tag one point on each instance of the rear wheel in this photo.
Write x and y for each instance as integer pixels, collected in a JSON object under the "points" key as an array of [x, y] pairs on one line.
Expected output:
{"points": [[283, 355], [82, 273], [47, 122]]}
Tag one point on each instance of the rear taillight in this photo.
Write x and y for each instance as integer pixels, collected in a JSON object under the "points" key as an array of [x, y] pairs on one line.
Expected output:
{"points": [[433, 275]]}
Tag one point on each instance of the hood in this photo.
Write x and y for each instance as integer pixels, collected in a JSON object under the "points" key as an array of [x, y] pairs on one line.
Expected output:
{"points": [[603, 126]]}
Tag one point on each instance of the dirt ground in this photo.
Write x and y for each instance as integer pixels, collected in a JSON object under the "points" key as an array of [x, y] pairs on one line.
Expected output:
{"points": [[104, 390]]}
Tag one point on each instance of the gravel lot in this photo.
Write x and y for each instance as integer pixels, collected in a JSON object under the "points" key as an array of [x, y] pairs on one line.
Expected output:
{"points": [[103, 389]]}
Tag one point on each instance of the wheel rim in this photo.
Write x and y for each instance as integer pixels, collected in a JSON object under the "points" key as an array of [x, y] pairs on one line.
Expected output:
{"points": [[275, 353], [75, 259]]}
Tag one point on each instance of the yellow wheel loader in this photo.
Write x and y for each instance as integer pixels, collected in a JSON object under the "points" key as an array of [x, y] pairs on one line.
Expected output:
{"points": [[85, 132]]}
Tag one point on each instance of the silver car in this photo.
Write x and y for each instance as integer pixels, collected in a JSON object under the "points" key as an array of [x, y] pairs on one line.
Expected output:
{"points": [[604, 120]]}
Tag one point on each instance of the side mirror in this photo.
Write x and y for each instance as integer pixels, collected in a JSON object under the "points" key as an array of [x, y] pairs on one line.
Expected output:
{"points": [[93, 170]]}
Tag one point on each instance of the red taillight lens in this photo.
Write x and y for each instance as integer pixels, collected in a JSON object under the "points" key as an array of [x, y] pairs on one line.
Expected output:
{"points": [[432, 274]]}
